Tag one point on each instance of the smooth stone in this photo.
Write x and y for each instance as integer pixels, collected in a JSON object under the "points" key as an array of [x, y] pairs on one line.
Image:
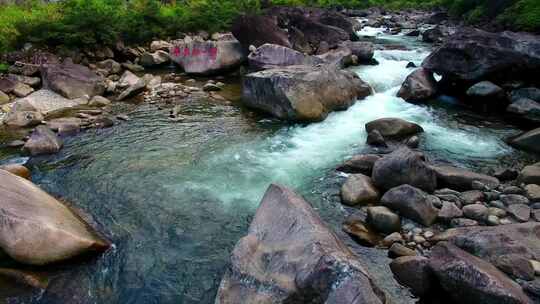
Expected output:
{"points": [[476, 212], [513, 199], [393, 127], [359, 190], [512, 190], [420, 85], [383, 219], [462, 179], [43, 141], [360, 164], [516, 266], [412, 203], [472, 196], [413, 272], [99, 101], [463, 222], [533, 192], [18, 170], [493, 220], [398, 250], [449, 211], [530, 174], [520, 211], [392, 238]]}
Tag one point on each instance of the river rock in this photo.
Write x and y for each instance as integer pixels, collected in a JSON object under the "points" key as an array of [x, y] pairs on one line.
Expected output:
{"points": [[65, 125], [413, 272], [363, 50], [154, 59], [412, 203], [111, 66], [516, 266], [485, 89], [257, 30], [462, 222], [37, 229], [47, 102], [133, 90], [395, 128], [521, 212], [31, 81], [72, 80], [340, 57], [160, 45], [208, 57], [17, 169], [22, 90], [398, 250], [529, 141], [530, 93], [354, 226], [463, 56], [4, 98], [468, 279], [359, 190], [477, 212], [420, 85], [360, 164], [533, 192], [526, 109], [127, 79], [23, 118], [383, 219], [514, 199], [99, 101], [303, 93], [530, 174], [309, 262], [472, 196], [449, 211], [404, 166], [462, 179], [272, 55], [43, 141], [375, 138]]}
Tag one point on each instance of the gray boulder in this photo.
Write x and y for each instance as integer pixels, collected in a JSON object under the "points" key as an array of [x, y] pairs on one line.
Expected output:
{"points": [[530, 174], [309, 263], [462, 179], [272, 55], [414, 272], [404, 166], [359, 190], [303, 93], [383, 219], [154, 59], [395, 128], [529, 141], [360, 164], [72, 80], [412, 203], [43, 141], [420, 85], [485, 89]]}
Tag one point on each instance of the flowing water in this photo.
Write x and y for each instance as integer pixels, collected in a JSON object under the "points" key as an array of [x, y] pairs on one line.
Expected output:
{"points": [[175, 197]]}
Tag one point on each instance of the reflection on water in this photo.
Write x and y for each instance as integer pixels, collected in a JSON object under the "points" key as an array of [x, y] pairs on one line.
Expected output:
{"points": [[175, 197]]}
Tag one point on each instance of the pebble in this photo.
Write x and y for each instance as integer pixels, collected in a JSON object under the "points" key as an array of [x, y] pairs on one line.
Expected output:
{"points": [[392, 238], [418, 239], [505, 221], [492, 196], [428, 234], [536, 215], [449, 211]]}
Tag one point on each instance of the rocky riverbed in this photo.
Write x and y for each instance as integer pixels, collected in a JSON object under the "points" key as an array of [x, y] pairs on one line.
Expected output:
{"points": [[412, 172]]}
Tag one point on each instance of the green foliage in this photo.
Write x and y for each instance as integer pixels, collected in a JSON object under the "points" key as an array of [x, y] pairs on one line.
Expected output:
{"points": [[83, 23], [3, 67]]}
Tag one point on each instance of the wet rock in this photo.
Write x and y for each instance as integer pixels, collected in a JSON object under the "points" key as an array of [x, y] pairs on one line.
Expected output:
{"points": [[43, 141], [72, 80], [272, 55], [449, 211], [37, 229], [103, 122], [392, 238], [413, 272], [512, 56], [513, 199], [154, 59], [477, 212], [302, 93], [403, 166], [412, 203], [512, 190], [383, 219], [133, 90], [420, 85], [525, 108], [309, 262], [127, 79], [528, 141], [433, 35], [516, 266], [17, 169], [462, 179], [413, 142], [398, 250], [375, 138], [208, 57], [468, 279], [520, 211], [530, 174], [340, 57], [393, 127], [360, 164], [493, 220], [506, 174], [361, 233], [463, 222], [527, 93], [363, 50], [485, 89], [359, 190]]}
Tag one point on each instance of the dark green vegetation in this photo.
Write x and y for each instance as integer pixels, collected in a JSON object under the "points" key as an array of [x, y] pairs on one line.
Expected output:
{"points": [[82, 23]]}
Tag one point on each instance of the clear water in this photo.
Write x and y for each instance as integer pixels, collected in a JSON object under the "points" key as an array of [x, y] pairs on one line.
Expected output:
{"points": [[175, 197]]}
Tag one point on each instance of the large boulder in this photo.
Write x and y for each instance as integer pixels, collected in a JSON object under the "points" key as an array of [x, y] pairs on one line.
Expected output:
{"points": [[529, 141], [154, 59], [404, 166], [413, 272], [473, 55], [21, 117], [359, 190], [37, 229], [362, 163], [526, 109], [530, 174], [363, 50], [462, 179], [470, 280], [207, 57], [72, 80], [395, 128], [291, 256], [257, 30], [420, 85], [412, 203], [303, 93], [272, 55], [43, 141], [46, 101]]}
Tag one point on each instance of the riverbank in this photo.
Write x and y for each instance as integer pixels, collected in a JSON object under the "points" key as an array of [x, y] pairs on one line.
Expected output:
{"points": [[175, 187]]}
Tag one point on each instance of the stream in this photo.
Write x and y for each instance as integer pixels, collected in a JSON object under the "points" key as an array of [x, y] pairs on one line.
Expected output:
{"points": [[175, 197]]}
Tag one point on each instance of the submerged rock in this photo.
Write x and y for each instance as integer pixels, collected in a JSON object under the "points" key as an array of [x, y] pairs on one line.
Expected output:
{"points": [[37, 229], [404, 166], [303, 93], [308, 261]]}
